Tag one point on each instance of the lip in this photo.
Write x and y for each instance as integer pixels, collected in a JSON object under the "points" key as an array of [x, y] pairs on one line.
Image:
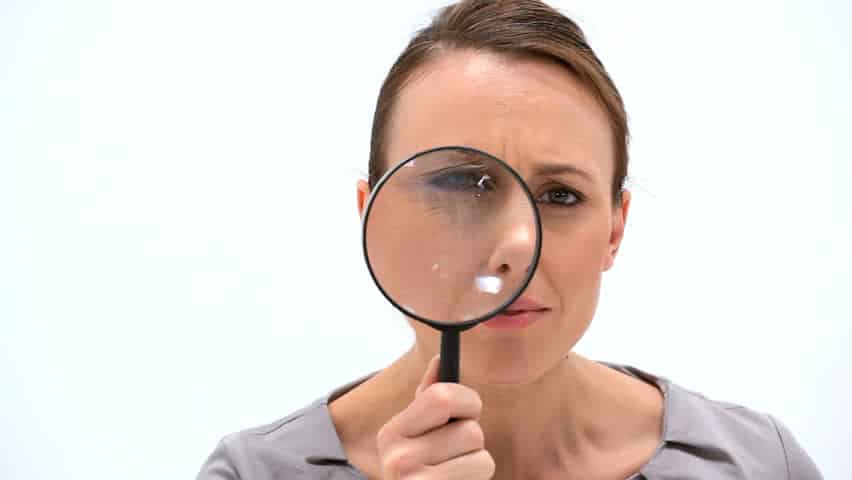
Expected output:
{"points": [[521, 313], [525, 304]]}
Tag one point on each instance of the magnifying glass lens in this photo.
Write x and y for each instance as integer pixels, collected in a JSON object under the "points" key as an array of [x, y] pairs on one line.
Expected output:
{"points": [[451, 236]]}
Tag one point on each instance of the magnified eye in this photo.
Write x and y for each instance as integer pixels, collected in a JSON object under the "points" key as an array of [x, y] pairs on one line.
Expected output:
{"points": [[559, 196], [460, 180]]}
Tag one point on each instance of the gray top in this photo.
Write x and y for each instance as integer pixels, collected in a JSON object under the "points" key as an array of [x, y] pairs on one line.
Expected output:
{"points": [[702, 439]]}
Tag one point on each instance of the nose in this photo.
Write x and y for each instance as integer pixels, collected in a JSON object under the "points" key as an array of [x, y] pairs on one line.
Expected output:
{"points": [[516, 236]]}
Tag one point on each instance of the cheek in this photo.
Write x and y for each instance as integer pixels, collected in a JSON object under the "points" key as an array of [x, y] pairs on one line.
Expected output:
{"points": [[575, 251], [572, 262]]}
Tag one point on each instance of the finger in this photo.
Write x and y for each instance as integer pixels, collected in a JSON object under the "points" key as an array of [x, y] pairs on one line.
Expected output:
{"points": [[447, 442], [430, 376], [478, 465], [435, 406], [438, 446]]}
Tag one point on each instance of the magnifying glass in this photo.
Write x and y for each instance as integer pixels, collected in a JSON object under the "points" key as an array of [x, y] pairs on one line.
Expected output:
{"points": [[451, 236]]}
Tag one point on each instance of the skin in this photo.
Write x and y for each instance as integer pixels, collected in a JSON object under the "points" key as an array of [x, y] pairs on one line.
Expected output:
{"points": [[529, 406]]}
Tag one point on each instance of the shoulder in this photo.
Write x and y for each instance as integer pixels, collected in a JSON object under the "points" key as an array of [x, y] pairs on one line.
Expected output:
{"points": [[716, 439], [280, 449]]}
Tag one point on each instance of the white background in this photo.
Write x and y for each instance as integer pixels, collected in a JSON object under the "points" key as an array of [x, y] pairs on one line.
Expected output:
{"points": [[179, 243]]}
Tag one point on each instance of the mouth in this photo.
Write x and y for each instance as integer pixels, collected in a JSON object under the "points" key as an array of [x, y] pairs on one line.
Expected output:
{"points": [[512, 313], [520, 314]]}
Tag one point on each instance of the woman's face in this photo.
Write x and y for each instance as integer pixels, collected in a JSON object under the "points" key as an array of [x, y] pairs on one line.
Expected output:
{"points": [[538, 118]]}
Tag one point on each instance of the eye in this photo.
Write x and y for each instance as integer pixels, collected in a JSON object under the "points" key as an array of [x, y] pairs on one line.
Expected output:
{"points": [[461, 180], [560, 196]]}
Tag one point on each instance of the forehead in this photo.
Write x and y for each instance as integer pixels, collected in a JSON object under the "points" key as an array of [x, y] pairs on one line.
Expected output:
{"points": [[526, 111]]}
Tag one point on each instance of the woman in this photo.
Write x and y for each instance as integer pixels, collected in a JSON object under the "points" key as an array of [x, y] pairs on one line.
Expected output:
{"points": [[518, 80]]}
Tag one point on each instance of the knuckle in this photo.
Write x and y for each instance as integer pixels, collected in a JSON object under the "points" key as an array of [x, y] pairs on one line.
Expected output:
{"points": [[472, 434], [384, 437], [487, 463], [440, 396], [401, 461], [477, 400]]}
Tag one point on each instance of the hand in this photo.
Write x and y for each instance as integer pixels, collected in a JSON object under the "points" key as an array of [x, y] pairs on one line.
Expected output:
{"points": [[419, 443]]}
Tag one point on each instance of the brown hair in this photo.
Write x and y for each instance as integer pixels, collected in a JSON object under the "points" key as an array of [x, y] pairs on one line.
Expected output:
{"points": [[528, 28]]}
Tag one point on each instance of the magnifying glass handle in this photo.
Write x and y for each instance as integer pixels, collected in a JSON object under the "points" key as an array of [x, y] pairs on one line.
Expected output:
{"points": [[448, 370]]}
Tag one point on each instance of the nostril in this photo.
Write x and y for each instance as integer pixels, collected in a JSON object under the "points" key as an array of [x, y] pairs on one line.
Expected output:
{"points": [[503, 268]]}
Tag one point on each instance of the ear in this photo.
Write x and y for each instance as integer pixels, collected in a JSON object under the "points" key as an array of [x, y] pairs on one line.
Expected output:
{"points": [[363, 193], [619, 220]]}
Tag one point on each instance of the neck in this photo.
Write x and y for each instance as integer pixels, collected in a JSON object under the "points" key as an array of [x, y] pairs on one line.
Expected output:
{"points": [[568, 416], [551, 421]]}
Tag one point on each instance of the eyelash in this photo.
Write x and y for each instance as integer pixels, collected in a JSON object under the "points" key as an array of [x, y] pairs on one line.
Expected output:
{"points": [[448, 181], [462, 181], [564, 191]]}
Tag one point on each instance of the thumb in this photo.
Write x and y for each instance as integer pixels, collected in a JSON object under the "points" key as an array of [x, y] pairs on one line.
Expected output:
{"points": [[431, 374]]}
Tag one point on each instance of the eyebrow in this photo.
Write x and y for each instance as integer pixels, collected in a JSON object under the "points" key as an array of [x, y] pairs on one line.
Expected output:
{"points": [[560, 169]]}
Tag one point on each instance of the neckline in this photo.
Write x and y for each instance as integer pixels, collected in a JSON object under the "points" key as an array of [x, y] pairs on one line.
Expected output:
{"points": [[334, 453]]}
